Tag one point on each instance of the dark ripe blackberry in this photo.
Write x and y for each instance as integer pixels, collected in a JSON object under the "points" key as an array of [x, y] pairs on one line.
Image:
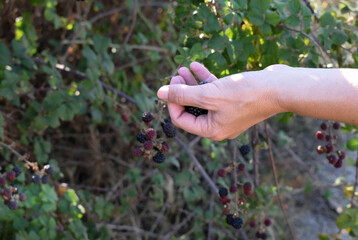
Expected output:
{"points": [[339, 163], [36, 179], [141, 138], [11, 176], [138, 152], [319, 135], [237, 223], [168, 129], [258, 234], [150, 133], [165, 147], [332, 159], [230, 219], [22, 197], [263, 236], [148, 145], [221, 172], [223, 192], [147, 117], [241, 167], [328, 138], [320, 149], [195, 110], [324, 126], [244, 149], [44, 179], [159, 157], [12, 205], [267, 222], [341, 155], [17, 170], [2, 181], [329, 148], [203, 82], [48, 169], [336, 125], [233, 189], [252, 223]]}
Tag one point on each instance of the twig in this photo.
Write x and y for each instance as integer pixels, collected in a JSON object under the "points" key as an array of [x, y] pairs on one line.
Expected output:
{"points": [[255, 160], [355, 182], [179, 226], [234, 160], [105, 14], [308, 4], [132, 229], [276, 181]]}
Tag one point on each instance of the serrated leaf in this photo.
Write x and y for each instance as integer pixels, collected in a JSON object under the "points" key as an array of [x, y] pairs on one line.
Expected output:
{"points": [[196, 52], [344, 221], [212, 24], [293, 20], [294, 6], [5, 56], [339, 37], [352, 144], [327, 19], [273, 18], [179, 59]]}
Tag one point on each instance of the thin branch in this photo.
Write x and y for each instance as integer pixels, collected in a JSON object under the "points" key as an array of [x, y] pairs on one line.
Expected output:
{"points": [[355, 182], [276, 181], [179, 226], [308, 4], [255, 158]]}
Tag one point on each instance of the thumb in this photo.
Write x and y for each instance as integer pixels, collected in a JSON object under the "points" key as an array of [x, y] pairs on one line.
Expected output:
{"points": [[182, 94]]}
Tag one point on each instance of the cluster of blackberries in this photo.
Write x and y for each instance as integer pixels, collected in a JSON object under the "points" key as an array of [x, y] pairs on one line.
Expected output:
{"points": [[260, 233], [195, 110], [42, 176], [150, 140], [8, 190], [234, 221], [334, 157]]}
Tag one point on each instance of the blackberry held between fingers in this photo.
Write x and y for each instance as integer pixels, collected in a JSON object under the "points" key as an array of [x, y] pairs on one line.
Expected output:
{"points": [[195, 110], [244, 149], [159, 157]]}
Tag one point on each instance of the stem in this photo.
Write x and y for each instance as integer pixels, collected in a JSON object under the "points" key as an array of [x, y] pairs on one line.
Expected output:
{"points": [[235, 176], [355, 182], [255, 161]]}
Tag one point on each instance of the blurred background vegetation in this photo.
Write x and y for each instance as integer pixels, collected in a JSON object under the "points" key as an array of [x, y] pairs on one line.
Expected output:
{"points": [[76, 76]]}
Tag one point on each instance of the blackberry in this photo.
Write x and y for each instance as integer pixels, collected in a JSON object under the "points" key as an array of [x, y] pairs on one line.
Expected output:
{"points": [[336, 125], [241, 167], [150, 133], [258, 234], [11, 176], [168, 129], [247, 187], [267, 222], [237, 223], [223, 192], [48, 169], [230, 219], [319, 135], [244, 150], [329, 148], [233, 189], [36, 179], [141, 138], [165, 147], [147, 117], [12, 205], [339, 163], [328, 138], [44, 179], [138, 152], [159, 157], [22, 197], [17, 170], [203, 82], [148, 145], [263, 236], [341, 155], [2, 181], [195, 110], [242, 201], [252, 223], [320, 149], [221, 172], [224, 200], [332, 159], [324, 126], [7, 194], [125, 118]]}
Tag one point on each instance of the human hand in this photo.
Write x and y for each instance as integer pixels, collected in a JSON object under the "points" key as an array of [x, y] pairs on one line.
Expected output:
{"points": [[235, 103]]}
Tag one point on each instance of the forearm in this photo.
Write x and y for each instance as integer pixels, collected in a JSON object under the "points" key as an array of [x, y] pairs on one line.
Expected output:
{"points": [[330, 94]]}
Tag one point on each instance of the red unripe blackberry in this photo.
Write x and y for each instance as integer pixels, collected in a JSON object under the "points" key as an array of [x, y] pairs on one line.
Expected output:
{"points": [[242, 201], [328, 138], [165, 147], [150, 133], [252, 223], [7, 194], [224, 200], [233, 189], [241, 167], [247, 187], [147, 117], [324, 126], [12, 205], [138, 152], [22, 197], [2, 181], [168, 129], [11, 176], [341, 155], [329, 148], [319, 135], [125, 118], [221, 172], [320, 149], [332, 159], [339, 163], [336, 125], [159, 157], [267, 222], [148, 145]]}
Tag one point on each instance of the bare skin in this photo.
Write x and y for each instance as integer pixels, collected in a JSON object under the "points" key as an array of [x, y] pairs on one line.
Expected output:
{"points": [[239, 101]]}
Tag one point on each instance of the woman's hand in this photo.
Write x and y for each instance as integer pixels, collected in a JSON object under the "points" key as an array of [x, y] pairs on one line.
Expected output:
{"points": [[235, 103]]}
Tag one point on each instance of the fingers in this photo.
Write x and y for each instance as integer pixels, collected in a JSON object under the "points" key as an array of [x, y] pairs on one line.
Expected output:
{"points": [[187, 76], [202, 73]]}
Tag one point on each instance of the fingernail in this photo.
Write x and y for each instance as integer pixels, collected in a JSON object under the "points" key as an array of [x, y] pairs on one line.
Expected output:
{"points": [[163, 92]]}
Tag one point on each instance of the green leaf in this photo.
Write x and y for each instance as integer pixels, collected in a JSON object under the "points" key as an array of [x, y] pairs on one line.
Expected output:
{"points": [[323, 237], [239, 4], [212, 24], [197, 52], [273, 18], [5, 56], [255, 17], [217, 42], [327, 19], [352, 144], [293, 20], [344, 221], [339, 37], [101, 43], [179, 59], [134, 175], [294, 6]]}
